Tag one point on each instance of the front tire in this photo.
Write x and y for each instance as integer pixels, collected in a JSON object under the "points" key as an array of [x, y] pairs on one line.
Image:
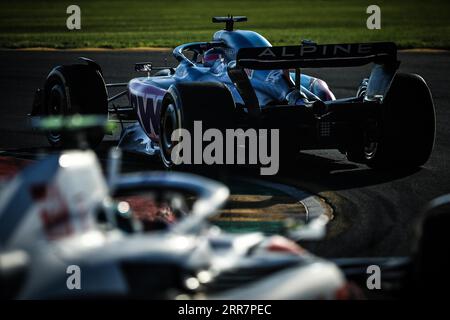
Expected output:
{"points": [[75, 89]]}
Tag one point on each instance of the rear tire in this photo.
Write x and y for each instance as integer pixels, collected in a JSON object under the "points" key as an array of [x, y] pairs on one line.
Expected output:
{"points": [[75, 89], [211, 103], [407, 127]]}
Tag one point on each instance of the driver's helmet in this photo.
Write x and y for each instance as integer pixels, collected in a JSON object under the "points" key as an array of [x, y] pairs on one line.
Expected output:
{"points": [[213, 55]]}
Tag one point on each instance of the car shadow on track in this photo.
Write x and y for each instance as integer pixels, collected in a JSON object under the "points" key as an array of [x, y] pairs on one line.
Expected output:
{"points": [[341, 174], [326, 173]]}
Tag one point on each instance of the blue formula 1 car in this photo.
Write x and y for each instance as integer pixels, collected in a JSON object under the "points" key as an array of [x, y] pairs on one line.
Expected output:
{"points": [[239, 80]]}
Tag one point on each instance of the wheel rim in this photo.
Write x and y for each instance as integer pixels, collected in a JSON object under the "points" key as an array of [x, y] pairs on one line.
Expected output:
{"points": [[370, 150]]}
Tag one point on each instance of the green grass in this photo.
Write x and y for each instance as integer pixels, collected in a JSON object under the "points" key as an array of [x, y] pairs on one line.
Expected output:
{"points": [[138, 23]]}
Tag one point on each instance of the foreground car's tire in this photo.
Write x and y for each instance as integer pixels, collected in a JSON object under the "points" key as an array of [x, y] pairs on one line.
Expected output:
{"points": [[75, 89], [184, 103], [406, 130], [431, 260]]}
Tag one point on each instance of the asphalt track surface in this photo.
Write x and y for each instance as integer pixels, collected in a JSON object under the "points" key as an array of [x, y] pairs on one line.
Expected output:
{"points": [[376, 213]]}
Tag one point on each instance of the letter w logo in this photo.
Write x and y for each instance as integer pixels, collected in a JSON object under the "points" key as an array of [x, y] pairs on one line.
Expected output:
{"points": [[149, 112]]}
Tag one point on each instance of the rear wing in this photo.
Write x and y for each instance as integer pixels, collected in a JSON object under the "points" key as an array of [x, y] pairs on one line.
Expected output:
{"points": [[383, 54], [317, 56]]}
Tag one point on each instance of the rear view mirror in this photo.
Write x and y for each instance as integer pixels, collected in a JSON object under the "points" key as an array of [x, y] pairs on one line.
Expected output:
{"points": [[143, 67]]}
